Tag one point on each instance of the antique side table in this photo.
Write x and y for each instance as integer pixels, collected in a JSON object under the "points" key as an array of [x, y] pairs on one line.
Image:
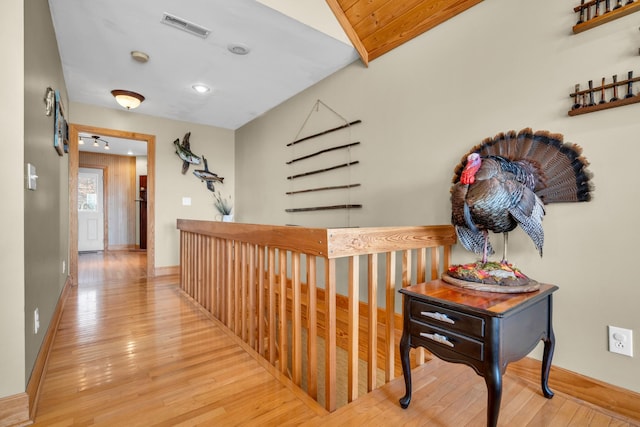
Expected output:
{"points": [[485, 330]]}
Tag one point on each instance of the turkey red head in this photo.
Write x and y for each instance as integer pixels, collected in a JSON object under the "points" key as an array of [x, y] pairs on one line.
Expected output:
{"points": [[468, 175]]}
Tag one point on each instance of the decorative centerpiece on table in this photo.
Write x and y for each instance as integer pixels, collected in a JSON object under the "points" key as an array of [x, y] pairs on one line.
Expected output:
{"points": [[502, 183], [223, 206]]}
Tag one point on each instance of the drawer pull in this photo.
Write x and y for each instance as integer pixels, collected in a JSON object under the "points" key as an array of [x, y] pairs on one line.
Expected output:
{"points": [[438, 316], [437, 338]]}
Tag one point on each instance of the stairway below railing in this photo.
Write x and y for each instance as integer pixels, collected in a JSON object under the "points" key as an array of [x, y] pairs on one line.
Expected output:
{"points": [[269, 283]]}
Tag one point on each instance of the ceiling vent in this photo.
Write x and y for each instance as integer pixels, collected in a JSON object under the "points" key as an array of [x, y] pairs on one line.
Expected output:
{"points": [[185, 25]]}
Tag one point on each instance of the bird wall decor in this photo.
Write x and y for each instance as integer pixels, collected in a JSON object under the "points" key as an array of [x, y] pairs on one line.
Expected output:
{"points": [[505, 181], [183, 150]]}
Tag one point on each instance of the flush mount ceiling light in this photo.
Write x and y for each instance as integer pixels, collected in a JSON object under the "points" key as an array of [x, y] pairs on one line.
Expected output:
{"points": [[200, 88], [238, 49], [127, 99]]}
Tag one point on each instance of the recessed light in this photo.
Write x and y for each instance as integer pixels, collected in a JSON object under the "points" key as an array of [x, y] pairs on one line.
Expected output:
{"points": [[238, 49], [201, 88]]}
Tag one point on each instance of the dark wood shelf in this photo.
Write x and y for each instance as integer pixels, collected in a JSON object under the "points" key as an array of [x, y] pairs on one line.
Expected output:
{"points": [[611, 104], [605, 17], [623, 100]]}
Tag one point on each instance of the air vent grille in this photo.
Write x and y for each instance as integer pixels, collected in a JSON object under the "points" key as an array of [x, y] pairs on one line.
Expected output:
{"points": [[185, 25]]}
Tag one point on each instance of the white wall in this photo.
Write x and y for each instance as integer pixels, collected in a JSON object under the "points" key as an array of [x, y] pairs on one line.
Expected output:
{"points": [[12, 356], [502, 65], [215, 144]]}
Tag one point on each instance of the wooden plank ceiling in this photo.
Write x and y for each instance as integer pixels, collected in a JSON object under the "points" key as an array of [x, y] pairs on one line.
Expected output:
{"points": [[377, 26]]}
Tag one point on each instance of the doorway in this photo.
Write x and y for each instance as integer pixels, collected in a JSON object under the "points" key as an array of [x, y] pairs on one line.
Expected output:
{"points": [[90, 209], [74, 167]]}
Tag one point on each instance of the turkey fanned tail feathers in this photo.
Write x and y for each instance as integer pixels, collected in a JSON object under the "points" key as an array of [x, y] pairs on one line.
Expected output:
{"points": [[518, 175]]}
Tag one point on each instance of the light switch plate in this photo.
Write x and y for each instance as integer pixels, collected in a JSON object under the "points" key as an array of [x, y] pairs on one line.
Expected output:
{"points": [[31, 177], [186, 201]]}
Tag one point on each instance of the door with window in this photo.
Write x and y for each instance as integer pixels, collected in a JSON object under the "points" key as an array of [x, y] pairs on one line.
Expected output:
{"points": [[90, 210]]}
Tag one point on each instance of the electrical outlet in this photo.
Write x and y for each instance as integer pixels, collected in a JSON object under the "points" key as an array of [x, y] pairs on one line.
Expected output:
{"points": [[36, 321], [621, 341]]}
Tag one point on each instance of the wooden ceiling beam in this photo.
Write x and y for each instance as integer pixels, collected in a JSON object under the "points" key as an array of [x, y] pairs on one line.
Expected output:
{"points": [[426, 15], [378, 18], [377, 26], [349, 31]]}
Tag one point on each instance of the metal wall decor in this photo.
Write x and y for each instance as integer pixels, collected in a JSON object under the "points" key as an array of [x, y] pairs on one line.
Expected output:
{"points": [[60, 127], [183, 151], [49, 101]]}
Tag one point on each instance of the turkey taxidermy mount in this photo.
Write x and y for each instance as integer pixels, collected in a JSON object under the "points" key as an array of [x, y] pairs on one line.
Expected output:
{"points": [[503, 183]]}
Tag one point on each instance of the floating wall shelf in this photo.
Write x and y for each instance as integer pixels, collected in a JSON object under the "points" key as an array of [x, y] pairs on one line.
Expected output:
{"points": [[580, 96], [599, 107], [603, 17]]}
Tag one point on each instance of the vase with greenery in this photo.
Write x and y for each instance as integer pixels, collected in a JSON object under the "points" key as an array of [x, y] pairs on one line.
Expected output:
{"points": [[223, 206]]}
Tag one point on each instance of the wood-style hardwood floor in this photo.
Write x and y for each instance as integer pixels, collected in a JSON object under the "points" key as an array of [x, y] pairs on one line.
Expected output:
{"points": [[132, 351]]}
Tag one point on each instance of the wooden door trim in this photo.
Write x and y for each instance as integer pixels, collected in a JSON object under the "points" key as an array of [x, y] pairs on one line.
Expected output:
{"points": [[74, 164]]}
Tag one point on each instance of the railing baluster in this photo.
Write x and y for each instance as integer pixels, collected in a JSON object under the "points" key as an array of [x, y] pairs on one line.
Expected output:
{"points": [[272, 305], [197, 292], [352, 367], [201, 261], [217, 279], [447, 256], [421, 271], [406, 281], [252, 289], [390, 305], [372, 365], [312, 328], [435, 263], [206, 269], [243, 292], [191, 264], [406, 268], [183, 252], [282, 314], [296, 324], [330, 334], [229, 283], [261, 297], [237, 287]]}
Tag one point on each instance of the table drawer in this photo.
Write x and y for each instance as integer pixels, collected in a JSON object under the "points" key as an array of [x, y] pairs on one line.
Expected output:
{"points": [[423, 334], [449, 319]]}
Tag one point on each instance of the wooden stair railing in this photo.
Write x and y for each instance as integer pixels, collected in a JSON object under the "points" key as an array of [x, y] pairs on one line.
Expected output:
{"points": [[269, 283]]}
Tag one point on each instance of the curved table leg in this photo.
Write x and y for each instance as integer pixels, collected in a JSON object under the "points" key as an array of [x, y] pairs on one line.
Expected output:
{"points": [[406, 370], [549, 345], [493, 379]]}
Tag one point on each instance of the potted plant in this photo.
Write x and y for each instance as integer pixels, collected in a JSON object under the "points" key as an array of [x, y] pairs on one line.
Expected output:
{"points": [[223, 206]]}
